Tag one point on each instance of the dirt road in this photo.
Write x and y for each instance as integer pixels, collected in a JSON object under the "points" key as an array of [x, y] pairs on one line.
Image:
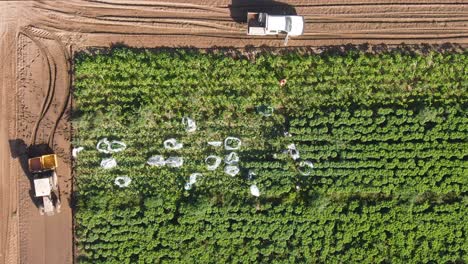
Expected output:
{"points": [[220, 23], [8, 175], [35, 93], [37, 38]]}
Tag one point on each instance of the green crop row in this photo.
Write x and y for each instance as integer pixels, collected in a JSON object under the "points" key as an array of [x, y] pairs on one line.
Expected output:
{"points": [[386, 134]]}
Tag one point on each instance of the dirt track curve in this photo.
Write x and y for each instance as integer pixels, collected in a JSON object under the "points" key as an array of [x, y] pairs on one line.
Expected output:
{"points": [[38, 39]]}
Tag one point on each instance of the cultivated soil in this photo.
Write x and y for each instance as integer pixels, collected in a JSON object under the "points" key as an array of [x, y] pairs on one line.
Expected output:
{"points": [[38, 39]]}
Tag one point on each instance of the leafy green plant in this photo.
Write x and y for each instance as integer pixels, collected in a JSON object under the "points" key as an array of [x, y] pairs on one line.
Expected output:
{"points": [[386, 134]]}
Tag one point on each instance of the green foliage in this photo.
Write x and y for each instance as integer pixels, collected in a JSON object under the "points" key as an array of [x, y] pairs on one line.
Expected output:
{"points": [[386, 134]]}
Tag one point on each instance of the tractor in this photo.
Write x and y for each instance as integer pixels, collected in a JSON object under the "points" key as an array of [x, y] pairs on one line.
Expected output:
{"points": [[45, 182]]}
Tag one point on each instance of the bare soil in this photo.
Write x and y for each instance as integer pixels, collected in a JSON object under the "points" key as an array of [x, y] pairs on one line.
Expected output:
{"points": [[38, 38]]}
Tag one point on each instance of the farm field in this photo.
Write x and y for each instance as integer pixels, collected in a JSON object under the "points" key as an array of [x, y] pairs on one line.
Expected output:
{"points": [[39, 39], [386, 134]]}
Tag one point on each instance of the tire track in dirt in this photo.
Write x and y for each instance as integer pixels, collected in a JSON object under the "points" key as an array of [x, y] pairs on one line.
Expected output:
{"points": [[112, 11], [91, 11], [42, 236], [187, 6], [35, 34], [356, 20], [66, 60], [8, 176], [151, 22], [393, 33], [52, 72]]}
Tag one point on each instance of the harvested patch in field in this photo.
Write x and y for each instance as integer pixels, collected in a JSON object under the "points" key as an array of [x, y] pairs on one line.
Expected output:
{"points": [[358, 158]]}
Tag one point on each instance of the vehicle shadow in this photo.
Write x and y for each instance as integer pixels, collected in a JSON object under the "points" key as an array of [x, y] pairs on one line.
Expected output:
{"points": [[22, 152], [239, 8]]}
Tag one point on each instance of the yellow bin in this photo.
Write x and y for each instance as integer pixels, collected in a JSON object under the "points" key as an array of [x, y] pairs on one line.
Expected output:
{"points": [[49, 162]]}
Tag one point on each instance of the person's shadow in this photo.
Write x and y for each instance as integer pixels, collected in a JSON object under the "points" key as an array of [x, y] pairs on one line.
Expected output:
{"points": [[239, 8]]}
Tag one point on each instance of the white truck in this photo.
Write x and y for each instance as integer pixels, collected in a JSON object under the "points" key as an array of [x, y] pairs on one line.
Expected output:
{"points": [[261, 24]]}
